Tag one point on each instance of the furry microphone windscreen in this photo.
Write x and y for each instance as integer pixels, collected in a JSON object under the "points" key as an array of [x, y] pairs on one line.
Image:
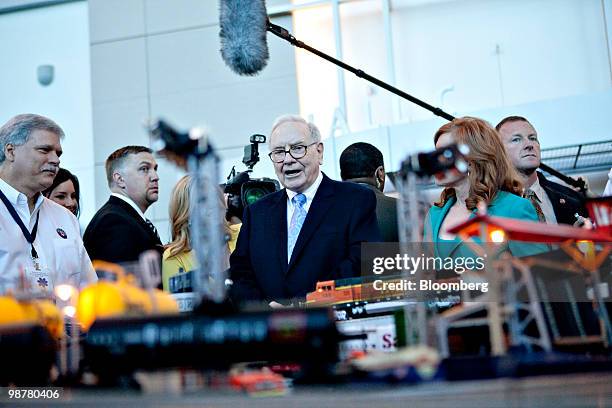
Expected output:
{"points": [[243, 35]]}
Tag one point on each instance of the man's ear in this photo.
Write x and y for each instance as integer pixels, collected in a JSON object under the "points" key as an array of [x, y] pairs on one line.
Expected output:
{"points": [[320, 149], [9, 152], [380, 174], [118, 180], [379, 177]]}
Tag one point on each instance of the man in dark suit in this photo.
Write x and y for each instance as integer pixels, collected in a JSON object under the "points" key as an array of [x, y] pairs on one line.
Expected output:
{"points": [[119, 231], [554, 203], [363, 163], [310, 231]]}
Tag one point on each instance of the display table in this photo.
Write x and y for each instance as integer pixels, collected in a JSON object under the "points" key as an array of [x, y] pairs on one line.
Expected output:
{"points": [[552, 391]]}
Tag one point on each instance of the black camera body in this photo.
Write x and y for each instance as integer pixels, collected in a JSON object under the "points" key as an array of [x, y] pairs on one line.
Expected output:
{"points": [[443, 160], [242, 190]]}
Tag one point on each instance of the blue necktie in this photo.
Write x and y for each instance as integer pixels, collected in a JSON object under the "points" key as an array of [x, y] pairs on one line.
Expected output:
{"points": [[297, 220]]}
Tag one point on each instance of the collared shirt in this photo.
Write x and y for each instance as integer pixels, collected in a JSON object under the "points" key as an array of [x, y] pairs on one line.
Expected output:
{"points": [[58, 243], [130, 202], [309, 193], [608, 189], [545, 203]]}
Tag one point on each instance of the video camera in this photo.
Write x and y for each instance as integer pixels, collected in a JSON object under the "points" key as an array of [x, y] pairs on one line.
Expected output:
{"points": [[243, 190], [445, 160]]}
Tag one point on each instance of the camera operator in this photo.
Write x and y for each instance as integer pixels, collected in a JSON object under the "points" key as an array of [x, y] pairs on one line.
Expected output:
{"points": [[310, 231]]}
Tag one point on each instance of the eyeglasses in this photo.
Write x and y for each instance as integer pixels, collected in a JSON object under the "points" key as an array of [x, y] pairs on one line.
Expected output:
{"points": [[296, 151]]}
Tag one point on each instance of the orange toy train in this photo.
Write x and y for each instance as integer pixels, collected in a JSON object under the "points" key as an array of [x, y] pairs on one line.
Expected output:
{"points": [[351, 290]]}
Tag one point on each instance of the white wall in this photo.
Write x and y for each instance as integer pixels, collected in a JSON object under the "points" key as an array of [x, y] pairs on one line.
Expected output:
{"points": [[491, 53], [57, 35], [547, 49], [160, 58], [544, 59]]}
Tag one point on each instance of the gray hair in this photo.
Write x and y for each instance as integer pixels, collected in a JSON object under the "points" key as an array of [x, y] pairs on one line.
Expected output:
{"points": [[18, 129], [312, 128]]}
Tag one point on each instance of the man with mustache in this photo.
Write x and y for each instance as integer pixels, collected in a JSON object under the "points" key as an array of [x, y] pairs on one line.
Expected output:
{"points": [[309, 231], [554, 203], [120, 232], [40, 241]]}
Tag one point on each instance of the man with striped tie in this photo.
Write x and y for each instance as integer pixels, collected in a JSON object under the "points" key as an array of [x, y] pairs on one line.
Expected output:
{"points": [[554, 203], [119, 232], [309, 231]]}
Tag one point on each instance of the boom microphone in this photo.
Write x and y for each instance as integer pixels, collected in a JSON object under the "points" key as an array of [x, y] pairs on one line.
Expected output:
{"points": [[243, 35]]}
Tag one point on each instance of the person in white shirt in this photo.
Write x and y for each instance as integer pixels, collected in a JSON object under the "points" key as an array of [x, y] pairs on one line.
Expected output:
{"points": [[120, 232], [40, 241]]}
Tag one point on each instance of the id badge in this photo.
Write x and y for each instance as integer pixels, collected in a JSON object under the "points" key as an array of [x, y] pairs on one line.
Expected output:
{"points": [[40, 280]]}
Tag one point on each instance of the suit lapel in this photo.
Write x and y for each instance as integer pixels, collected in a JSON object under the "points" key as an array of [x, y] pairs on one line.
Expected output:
{"points": [[277, 217], [323, 199], [134, 214], [555, 198]]}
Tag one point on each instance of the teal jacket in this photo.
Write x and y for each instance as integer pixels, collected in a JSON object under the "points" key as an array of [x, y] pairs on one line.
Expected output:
{"points": [[504, 204]]}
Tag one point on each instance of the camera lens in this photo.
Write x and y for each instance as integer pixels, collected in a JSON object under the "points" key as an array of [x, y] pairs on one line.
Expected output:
{"points": [[253, 194]]}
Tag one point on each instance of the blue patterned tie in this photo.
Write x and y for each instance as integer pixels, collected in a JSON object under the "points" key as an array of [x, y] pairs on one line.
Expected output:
{"points": [[297, 220]]}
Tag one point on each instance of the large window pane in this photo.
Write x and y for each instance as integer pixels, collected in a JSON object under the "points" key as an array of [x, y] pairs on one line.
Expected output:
{"points": [[317, 81]]}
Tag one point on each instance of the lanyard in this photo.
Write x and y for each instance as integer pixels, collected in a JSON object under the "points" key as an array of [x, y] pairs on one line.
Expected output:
{"points": [[30, 237]]}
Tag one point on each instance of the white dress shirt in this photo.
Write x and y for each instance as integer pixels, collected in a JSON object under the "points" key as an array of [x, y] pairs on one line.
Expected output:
{"points": [[130, 202], [545, 204], [608, 189], [61, 254], [309, 193]]}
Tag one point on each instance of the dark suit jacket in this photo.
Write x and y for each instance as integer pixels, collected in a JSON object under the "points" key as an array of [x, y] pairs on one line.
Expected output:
{"points": [[386, 214], [340, 218], [565, 201], [117, 233]]}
